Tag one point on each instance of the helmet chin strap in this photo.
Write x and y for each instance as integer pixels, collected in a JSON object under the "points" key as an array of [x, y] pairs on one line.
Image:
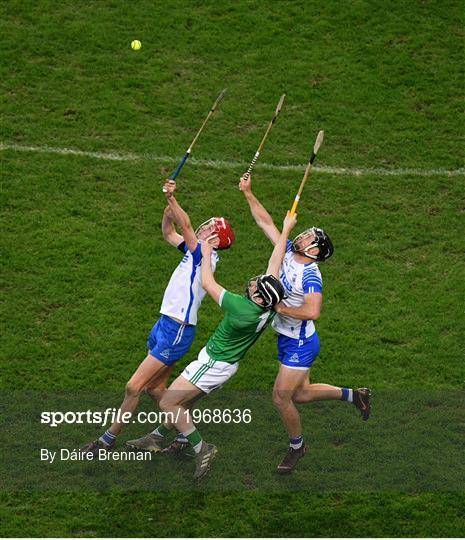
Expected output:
{"points": [[305, 254], [308, 255]]}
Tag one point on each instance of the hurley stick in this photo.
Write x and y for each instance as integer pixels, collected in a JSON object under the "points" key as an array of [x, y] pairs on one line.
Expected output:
{"points": [[262, 144], [316, 147], [175, 173]]}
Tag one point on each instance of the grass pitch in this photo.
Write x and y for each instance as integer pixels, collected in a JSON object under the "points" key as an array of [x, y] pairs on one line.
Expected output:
{"points": [[84, 265]]}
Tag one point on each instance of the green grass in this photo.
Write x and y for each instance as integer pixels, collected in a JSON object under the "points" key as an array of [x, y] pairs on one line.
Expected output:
{"points": [[413, 443], [84, 266], [213, 514]]}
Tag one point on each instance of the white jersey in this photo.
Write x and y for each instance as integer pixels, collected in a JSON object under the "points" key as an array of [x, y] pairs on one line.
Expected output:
{"points": [[298, 279], [184, 292]]}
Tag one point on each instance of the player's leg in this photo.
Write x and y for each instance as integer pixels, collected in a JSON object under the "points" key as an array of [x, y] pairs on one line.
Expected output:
{"points": [[180, 340], [167, 342], [173, 404], [286, 383], [158, 384], [316, 392], [155, 388], [146, 371], [175, 401], [296, 357], [198, 378], [321, 392], [155, 440], [301, 354], [171, 342], [159, 361], [180, 444]]}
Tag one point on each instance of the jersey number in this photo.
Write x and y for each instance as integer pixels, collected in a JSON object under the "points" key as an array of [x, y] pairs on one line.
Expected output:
{"points": [[263, 321]]}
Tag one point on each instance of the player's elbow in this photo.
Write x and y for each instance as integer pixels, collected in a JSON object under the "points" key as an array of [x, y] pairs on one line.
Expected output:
{"points": [[262, 222], [266, 225], [169, 237], [312, 314]]}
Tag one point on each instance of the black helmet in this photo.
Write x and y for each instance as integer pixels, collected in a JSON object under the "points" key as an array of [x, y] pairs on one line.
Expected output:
{"points": [[269, 289], [320, 240]]}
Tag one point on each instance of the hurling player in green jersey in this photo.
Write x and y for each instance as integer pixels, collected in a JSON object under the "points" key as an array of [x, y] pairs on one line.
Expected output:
{"points": [[245, 318]]}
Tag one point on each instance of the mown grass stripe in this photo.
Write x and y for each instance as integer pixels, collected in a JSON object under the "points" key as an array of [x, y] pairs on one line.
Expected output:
{"points": [[219, 164]]}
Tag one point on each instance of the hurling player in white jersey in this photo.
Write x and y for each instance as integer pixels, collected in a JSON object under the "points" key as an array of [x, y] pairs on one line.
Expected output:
{"points": [[298, 343], [173, 334]]}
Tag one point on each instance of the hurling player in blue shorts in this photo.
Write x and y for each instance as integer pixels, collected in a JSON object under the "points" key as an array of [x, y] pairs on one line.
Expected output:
{"points": [[173, 334], [298, 343]]}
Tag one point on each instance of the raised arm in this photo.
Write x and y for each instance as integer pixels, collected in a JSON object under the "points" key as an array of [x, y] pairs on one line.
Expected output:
{"points": [[213, 288], [168, 230], [259, 213], [180, 216], [279, 250]]}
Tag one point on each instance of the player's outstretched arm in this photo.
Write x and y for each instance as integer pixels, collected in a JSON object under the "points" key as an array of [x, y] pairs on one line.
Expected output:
{"points": [[213, 288], [279, 250], [259, 213], [180, 216], [168, 230]]}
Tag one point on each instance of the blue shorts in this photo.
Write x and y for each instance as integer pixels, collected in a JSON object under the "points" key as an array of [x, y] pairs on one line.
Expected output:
{"points": [[298, 353], [169, 340]]}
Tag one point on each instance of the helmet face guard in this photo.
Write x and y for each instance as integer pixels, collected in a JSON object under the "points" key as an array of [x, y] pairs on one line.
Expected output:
{"points": [[317, 238], [267, 288], [220, 228]]}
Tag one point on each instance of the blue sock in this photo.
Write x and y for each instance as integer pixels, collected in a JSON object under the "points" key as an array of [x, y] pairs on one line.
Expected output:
{"points": [[347, 394], [108, 438], [296, 442]]}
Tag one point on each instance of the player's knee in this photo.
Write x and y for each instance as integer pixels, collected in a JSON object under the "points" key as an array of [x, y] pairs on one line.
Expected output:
{"points": [[281, 398], [166, 402], [133, 389]]}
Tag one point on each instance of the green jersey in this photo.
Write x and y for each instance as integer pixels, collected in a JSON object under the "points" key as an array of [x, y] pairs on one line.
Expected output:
{"points": [[240, 328]]}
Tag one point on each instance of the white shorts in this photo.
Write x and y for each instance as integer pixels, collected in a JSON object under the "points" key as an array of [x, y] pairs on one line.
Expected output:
{"points": [[208, 374]]}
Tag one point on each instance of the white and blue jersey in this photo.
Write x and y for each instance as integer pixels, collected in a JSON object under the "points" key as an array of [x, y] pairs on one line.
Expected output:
{"points": [[298, 343], [169, 340], [184, 292], [298, 280]]}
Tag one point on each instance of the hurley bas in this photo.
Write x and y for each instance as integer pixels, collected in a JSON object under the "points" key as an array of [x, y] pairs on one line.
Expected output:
{"points": [[77, 455]]}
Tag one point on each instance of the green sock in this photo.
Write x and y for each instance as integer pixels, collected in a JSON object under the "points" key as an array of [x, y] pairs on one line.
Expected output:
{"points": [[161, 430], [195, 439]]}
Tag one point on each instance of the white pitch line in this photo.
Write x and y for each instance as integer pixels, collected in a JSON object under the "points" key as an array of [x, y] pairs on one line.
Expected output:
{"points": [[218, 164]]}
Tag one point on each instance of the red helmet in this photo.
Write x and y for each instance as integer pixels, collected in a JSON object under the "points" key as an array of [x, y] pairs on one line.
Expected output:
{"points": [[220, 228]]}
